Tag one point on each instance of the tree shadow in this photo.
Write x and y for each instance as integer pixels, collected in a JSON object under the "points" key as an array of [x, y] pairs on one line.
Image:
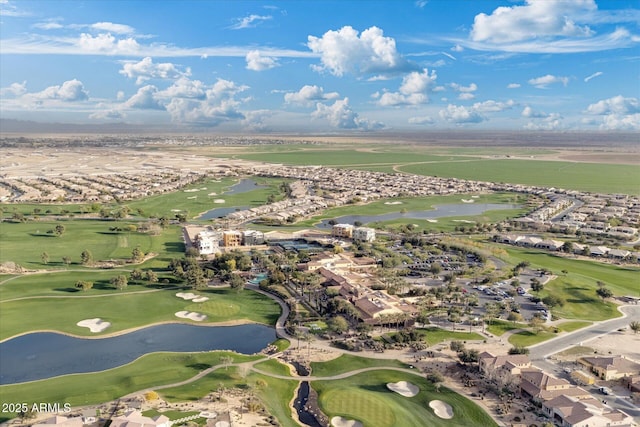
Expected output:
{"points": [[199, 366]]}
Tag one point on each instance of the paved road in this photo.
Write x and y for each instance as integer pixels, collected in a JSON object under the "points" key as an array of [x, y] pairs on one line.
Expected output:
{"points": [[540, 351]]}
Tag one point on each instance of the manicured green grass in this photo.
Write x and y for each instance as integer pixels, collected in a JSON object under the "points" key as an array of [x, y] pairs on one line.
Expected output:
{"points": [[527, 338], [62, 284], [572, 326], [571, 175], [499, 327], [366, 398], [348, 362], [149, 371], [274, 367], [24, 243], [134, 310], [433, 335], [193, 203]]}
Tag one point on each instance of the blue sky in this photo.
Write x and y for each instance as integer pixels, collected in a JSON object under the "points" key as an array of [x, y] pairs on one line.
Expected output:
{"points": [[324, 66]]}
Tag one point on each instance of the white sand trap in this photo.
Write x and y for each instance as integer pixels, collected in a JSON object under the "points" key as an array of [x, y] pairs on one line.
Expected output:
{"points": [[467, 200], [193, 190], [176, 210], [466, 221], [219, 201], [200, 299], [404, 388], [95, 325], [343, 422], [212, 194], [192, 197], [192, 315], [441, 409], [392, 203], [475, 197], [186, 295], [432, 220], [207, 414]]}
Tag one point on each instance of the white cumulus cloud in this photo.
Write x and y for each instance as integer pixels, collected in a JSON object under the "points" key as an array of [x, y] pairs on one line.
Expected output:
{"points": [[413, 89], [69, 91], [346, 51], [146, 69], [618, 113], [105, 43], [184, 87], [341, 116], [536, 19], [544, 81], [309, 94], [14, 90], [460, 114], [258, 62], [513, 85], [113, 28], [145, 99]]}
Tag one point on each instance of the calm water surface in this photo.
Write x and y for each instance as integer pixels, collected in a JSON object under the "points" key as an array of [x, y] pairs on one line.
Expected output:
{"points": [[44, 355]]}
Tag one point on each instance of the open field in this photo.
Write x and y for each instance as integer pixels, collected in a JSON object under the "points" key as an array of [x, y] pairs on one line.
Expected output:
{"points": [[348, 362], [24, 243], [135, 310], [365, 397]]}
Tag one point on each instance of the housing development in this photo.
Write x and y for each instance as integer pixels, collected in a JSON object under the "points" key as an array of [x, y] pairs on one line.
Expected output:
{"points": [[515, 301]]}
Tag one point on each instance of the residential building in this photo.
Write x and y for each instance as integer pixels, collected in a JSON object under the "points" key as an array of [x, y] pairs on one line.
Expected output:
{"points": [[231, 238], [610, 367], [207, 242], [61, 421], [508, 364], [342, 230], [364, 234], [134, 418], [540, 386], [252, 237], [568, 411]]}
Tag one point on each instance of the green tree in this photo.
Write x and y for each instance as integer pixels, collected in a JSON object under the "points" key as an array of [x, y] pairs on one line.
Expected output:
{"points": [[59, 230], [137, 255], [44, 257], [120, 282], [536, 285], [553, 301], [603, 292], [236, 282], [338, 324], [195, 276], [86, 257], [151, 276], [66, 260], [635, 326], [84, 285], [456, 346]]}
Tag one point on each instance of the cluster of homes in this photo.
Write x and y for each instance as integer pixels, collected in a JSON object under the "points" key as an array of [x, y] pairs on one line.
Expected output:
{"points": [[566, 404], [131, 418], [93, 188], [211, 241], [596, 251], [596, 215]]}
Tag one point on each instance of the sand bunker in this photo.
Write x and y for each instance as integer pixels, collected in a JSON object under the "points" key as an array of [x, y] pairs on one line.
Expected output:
{"points": [[219, 201], [192, 315], [343, 422], [432, 220], [392, 203], [94, 325], [213, 194], [186, 295], [192, 297], [466, 221], [467, 200], [404, 388], [441, 409]]}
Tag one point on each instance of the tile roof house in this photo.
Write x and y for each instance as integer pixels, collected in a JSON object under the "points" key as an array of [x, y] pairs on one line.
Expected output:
{"points": [[134, 418], [540, 386], [511, 363], [611, 367], [568, 411]]}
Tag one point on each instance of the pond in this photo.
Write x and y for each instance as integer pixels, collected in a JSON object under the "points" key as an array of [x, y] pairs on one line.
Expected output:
{"points": [[244, 186], [45, 355], [221, 212], [439, 211]]}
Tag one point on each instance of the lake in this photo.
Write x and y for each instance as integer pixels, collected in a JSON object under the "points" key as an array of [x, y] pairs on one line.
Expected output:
{"points": [[439, 211], [242, 186], [45, 355]]}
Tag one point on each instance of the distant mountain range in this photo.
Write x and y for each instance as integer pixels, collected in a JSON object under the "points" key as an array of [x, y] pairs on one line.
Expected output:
{"points": [[25, 126]]}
